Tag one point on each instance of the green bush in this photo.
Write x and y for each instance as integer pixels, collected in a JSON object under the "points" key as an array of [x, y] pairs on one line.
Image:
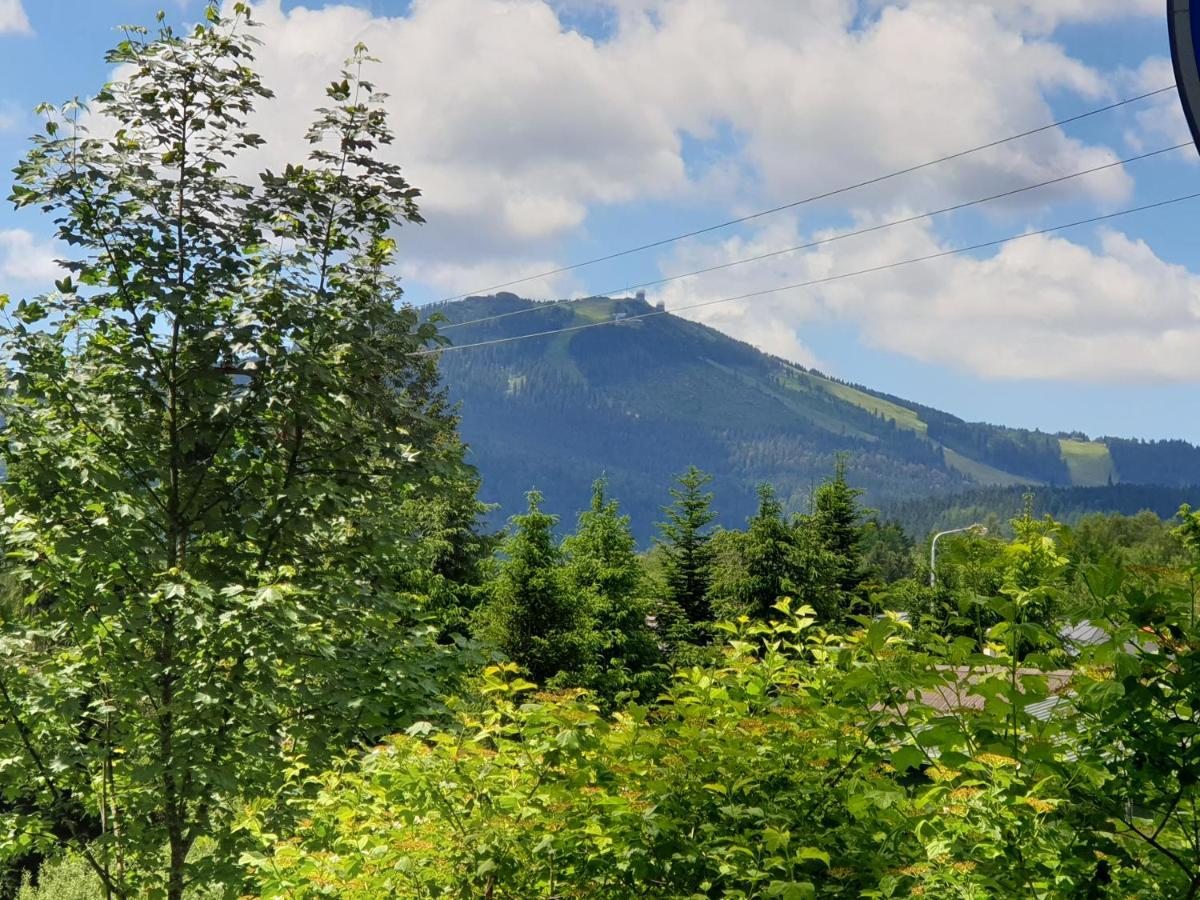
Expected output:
{"points": [[540, 795], [801, 764], [68, 877]]}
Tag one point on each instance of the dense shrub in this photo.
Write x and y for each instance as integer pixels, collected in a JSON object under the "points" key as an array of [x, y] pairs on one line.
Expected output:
{"points": [[875, 764]]}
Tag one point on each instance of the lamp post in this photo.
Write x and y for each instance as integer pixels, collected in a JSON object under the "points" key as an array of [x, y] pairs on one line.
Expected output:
{"points": [[978, 529]]}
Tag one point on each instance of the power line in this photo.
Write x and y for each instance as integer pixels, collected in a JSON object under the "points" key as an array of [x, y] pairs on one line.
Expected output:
{"points": [[825, 196], [819, 243], [815, 282]]}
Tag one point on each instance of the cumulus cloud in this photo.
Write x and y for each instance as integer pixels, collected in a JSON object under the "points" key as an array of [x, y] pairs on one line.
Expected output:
{"points": [[13, 19], [1041, 307], [27, 260], [458, 278], [1045, 307], [511, 127], [517, 127], [1160, 120], [831, 103]]}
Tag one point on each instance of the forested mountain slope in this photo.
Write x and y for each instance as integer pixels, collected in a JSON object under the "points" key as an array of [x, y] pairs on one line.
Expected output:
{"points": [[640, 400]]}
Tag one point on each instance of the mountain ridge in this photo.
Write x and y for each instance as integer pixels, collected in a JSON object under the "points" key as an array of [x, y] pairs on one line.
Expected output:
{"points": [[641, 399]]}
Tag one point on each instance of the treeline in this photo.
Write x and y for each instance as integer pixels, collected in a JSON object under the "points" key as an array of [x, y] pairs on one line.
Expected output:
{"points": [[1174, 463], [996, 506], [1035, 455], [1029, 454], [534, 423], [631, 400], [589, 612], [1038, 455]]}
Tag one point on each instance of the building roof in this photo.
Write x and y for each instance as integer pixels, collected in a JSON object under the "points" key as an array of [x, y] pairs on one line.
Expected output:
{"points": [[958, 694]]}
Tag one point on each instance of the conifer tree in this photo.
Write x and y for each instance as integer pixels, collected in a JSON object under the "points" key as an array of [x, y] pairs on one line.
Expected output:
{"points": [[838, 515], [763, 566], [836, 526], [685, 542], [768, 559], [603, 572], [602, 554], [531, 615]]}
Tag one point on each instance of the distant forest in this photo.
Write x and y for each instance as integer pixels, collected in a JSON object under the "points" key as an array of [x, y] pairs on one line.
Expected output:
{"points": [[996, 506]]}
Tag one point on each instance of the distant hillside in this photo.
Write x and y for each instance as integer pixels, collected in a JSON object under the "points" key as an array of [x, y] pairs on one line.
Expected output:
{"points": [[640, 400], [997, 506]]}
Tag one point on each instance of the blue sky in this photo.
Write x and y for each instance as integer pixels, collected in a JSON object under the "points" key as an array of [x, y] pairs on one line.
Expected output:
{"points": [[544, 133]]}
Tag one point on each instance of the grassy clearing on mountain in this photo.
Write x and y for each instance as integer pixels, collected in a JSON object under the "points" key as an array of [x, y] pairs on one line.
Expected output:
{"points": [[903, 417], [982, 473], [1090, 463]]}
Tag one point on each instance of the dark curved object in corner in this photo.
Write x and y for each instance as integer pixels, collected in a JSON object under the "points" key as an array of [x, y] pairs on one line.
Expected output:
{"points": [[1183, 19]]}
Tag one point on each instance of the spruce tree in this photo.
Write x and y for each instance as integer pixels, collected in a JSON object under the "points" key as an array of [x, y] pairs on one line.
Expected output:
{"points": [[685, 542], [530, 615], [620, 650], [602, 554], [836, 525], [763, 565]]}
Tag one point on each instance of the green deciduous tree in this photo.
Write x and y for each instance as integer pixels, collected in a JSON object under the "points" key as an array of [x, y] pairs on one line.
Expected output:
{"points": [[1187, 533], [211, 429], [799, 763]]}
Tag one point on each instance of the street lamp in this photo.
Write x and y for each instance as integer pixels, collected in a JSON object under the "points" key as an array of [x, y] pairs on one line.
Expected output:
{"points": [[978, 529]]}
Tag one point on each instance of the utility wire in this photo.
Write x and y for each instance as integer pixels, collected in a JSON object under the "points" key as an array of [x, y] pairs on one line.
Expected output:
{"points": [[625, 289], [825, 196], [818, 281]]}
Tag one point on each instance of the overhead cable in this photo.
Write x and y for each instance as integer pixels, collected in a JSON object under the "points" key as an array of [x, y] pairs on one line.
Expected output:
{"points": [[452, 348], [625, 289], [822, 196]]}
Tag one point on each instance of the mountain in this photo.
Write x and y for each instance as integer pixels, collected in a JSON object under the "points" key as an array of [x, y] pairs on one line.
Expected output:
{"points": [[641, 399]]}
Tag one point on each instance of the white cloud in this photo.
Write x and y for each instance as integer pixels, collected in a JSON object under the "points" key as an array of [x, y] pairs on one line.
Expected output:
{"points": [[1045, 14], [1048, 308], [10, 116], [496, 109], [1160, 120], [1042, 307], [1048, 14], [13, 19], [829, 105], [456, 278], [25, 259], [517, 128]]}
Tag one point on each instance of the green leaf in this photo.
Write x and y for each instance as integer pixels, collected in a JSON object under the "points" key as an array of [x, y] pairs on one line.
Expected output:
{"points": [[908, 758]]}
